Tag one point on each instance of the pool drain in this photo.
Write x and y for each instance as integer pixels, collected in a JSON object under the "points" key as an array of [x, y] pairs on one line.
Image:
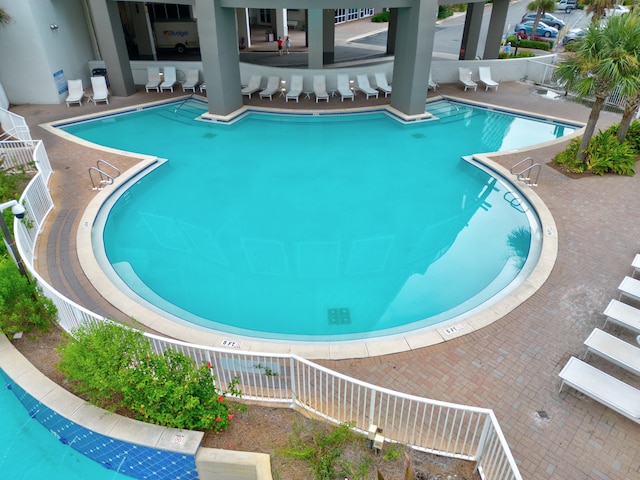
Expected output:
{"points": [[339, 316]]}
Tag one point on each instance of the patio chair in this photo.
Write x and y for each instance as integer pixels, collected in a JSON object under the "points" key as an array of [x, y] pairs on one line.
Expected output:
{"points": [[613, 349], [273, 84], [153, 79], [381, 83], [253, 86], [344, 89], [465, 78], [603, 388], [320, 88], [169, 79], [192, 80], [432, 84], [296, 88], [203, 87], [100, 91], [630, 287], [484, 74], [365, 87], [76, 92]]}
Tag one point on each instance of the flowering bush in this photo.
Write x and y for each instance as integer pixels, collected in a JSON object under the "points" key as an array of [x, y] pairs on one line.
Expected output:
{"points": [[114, 366]]}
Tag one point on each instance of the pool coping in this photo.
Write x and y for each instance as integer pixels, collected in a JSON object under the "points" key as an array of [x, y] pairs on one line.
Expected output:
{"points": [[333, 350]]}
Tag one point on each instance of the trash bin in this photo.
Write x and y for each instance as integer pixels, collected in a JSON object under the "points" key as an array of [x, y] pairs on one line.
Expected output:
{"points": [[100, 72], [269, 36]]}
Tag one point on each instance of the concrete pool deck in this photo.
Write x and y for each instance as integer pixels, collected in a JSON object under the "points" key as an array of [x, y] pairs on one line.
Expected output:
{"points": [[511, 365]]}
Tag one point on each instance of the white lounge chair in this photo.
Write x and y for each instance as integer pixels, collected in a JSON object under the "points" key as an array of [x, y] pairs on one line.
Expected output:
{"points": [[153, 79], [320, 88], [603, 388], [432, 84], [365, 87], [295, 89], [630, 287], [382, 84], [484, 77], [203, 87], [169, 79], [192, 80], [623, 315], [613, 349], [344, 89], [273, 83], [253, 86], [100, 91], [465, 78], [76, 92], [636, 264]]}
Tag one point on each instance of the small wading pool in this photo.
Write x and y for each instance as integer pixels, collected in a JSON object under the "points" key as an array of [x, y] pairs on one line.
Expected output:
{"points": [[318, 228]]}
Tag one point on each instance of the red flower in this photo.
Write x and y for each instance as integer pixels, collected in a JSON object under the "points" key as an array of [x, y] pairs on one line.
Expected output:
{"points": [[208, 364], [218, 419], [220, 399], [231, 416]]}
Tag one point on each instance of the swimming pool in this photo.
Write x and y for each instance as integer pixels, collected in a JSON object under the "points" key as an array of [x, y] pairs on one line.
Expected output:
{"points": [[30, 451], [342, 227]]}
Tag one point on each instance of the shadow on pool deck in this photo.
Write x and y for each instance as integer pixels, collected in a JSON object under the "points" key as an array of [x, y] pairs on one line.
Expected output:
{"points": [[510, 366]]}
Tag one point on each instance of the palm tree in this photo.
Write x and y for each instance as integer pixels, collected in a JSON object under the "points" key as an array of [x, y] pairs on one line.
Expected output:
{"points": [[4, 17], [598, 8], [605, 59], [632, 100], [540, 7]]}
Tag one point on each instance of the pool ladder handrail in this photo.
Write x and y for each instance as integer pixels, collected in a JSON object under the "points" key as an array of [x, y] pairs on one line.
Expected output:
{"points": [[525, 175], [182, 103], [105, 178]]}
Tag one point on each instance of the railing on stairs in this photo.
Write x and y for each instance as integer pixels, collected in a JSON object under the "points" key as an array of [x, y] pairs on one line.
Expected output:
{"points": [[104, 177], [526, 174]]}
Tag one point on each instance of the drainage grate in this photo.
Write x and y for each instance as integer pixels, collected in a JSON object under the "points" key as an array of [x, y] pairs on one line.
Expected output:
{"points": [[339, 316], [542, 414], [418, 135], [210, 135]]}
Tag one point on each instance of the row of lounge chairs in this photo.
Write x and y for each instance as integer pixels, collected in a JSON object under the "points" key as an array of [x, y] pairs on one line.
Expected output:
{"points": [[345, 88], [168, 80], [466, 77], [602, 387], [100, 92]]}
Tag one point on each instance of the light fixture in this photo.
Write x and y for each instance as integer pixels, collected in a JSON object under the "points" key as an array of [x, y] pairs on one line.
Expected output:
{"points": [[53, 26], [18, 212]]}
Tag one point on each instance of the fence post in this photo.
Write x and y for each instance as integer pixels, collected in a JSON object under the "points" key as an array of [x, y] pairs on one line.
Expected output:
{"points": [[485, 440]]}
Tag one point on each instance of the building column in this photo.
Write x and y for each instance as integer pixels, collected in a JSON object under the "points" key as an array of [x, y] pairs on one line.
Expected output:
{"points": [[497, 24], [413, 58], [220, 59], [471, 33], [392, 28], [113, 46], [282, 30], [328, 37], [314, 36], [244, 29]]}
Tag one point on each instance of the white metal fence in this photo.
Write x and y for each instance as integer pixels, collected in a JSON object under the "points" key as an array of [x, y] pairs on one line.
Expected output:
{"points": [[443, 428]]}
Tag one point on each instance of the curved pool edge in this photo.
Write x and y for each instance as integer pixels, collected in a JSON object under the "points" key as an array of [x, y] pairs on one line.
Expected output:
{"points": [[334, 350]]}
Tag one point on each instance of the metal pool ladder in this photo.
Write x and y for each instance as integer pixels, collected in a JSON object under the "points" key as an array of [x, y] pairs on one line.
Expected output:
{"points": [[104, 177], [527, 171]]}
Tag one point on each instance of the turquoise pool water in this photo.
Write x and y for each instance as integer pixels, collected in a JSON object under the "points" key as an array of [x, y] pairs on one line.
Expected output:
{"points": [[28, 451], [331, 227]]}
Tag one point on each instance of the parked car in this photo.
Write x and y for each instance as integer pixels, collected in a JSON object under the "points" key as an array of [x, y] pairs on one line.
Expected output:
{"points": [[567, 5], [573, 35], [617, 10], [547, 18], [543, 29]]}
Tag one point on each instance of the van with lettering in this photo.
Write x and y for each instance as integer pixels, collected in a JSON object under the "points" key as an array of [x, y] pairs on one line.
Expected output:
{"points": [[176, 35]]}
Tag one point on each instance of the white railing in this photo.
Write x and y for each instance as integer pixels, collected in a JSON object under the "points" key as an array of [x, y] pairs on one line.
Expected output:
{"points": [[439, 427], [14, 126]]}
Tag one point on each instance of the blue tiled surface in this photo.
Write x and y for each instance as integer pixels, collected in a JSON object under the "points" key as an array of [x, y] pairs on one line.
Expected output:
{"points": [[133, 460]]}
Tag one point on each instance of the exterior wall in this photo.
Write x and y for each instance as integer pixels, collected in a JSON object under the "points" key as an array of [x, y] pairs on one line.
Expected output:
{"points": [[36, 52]]}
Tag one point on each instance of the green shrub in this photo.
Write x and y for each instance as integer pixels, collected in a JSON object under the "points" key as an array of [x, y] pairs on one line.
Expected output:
{"points": [[606, 155], [535, 44], [380, 17], [23, 307], [567, 158], [572, 46], [633, 135], [114, 366], [444, 11]]}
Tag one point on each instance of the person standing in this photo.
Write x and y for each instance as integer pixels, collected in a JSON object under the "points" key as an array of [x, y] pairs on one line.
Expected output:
{"points": [[280, 43], [507, 48], [287, 44]]}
